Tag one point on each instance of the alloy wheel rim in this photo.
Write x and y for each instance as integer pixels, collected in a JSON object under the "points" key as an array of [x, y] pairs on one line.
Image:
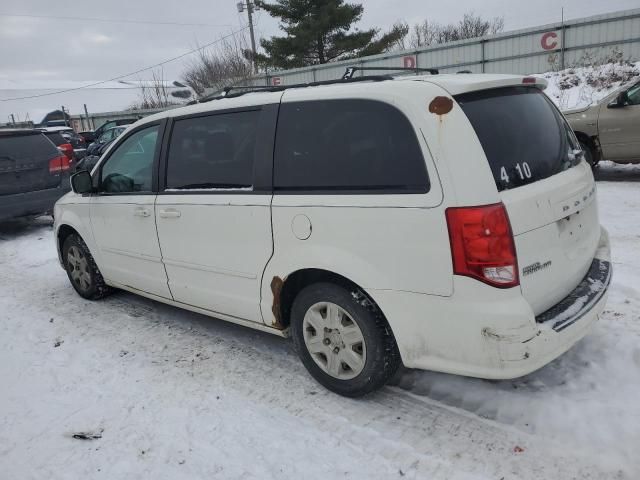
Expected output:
{"points": [[334, 340], [78, 268]]}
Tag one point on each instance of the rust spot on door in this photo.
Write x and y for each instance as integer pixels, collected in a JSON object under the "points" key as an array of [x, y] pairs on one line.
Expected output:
{"points": [[276, 289], [441, 105]]}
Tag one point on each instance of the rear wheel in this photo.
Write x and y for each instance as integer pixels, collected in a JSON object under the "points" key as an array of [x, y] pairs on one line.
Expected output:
{"points": [[343, 340], [83, 273]]}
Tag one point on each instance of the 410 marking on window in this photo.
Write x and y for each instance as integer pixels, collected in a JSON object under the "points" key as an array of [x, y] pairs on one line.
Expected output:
{"points": [[523, 169]]}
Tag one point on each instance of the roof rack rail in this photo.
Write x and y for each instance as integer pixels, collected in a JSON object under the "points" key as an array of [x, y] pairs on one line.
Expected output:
{"points": [[228, 92], [348, 74]]}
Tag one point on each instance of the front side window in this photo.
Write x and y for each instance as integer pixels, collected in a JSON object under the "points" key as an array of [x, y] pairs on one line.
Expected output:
{"points": [[129, 168], [347, 145], [106, 136], [213, 152]]}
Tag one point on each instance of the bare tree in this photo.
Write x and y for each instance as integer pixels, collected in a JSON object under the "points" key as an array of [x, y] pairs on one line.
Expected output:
{"points": [[156, 93], [228, 64], [471, 26]]}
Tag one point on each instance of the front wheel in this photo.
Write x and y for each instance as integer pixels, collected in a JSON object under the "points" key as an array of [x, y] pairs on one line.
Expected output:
{"points": [[343, 339], [83, 273]]}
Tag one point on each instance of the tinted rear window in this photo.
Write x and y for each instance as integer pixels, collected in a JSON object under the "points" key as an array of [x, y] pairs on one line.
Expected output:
{"points": [[347, 145], [56, 138], [523, 135], [26, 147]]}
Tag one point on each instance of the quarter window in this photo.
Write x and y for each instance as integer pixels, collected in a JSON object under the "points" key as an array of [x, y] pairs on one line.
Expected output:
{"points": [[213, 152], [130, 167], [347, 145]]}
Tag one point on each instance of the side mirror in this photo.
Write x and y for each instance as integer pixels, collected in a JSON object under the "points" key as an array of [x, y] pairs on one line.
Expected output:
{"points": [[621, 100], [81, 182]]}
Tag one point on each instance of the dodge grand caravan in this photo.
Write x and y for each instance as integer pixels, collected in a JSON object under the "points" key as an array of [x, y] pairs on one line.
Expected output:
{"points": [[446, 222]]}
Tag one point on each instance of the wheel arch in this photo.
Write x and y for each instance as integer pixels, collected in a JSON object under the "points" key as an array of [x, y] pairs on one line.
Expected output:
{"points": [[286, 289], [64, 231], [592, 142]]}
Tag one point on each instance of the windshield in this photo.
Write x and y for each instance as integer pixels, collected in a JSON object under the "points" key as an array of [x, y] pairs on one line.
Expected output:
{"points": [[524, 136]]}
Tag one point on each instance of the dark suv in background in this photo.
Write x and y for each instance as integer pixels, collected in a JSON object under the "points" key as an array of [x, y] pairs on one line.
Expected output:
{"points": [[71, 144], [33, 173]]}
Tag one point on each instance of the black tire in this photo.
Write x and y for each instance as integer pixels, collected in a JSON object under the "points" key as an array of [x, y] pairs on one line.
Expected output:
{"points": [[589, 154], [93, 287], [382, 356]]}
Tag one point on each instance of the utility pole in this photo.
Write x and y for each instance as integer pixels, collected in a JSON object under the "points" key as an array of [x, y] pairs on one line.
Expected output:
{"points": [[562, 39], [64, 116], [86, 114], [250, 6]]}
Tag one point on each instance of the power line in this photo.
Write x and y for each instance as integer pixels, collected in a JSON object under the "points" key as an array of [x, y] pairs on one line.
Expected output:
{"points": [[114, 20], [120, 77]]}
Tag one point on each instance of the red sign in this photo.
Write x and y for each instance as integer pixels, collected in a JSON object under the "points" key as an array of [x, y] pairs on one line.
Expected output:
{"points": [[275, 81], [549, 41], [409, 62]]}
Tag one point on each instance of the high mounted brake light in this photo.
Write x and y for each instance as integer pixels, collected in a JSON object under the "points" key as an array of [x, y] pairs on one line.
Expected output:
{"points": [[482, 245]]}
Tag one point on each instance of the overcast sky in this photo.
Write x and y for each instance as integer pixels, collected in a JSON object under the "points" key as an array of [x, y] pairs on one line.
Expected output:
{"points": [[53, 52]]}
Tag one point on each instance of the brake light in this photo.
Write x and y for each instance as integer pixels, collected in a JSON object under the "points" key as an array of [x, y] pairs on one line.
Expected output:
{"points": [[59, 164], [67, 149], [482, 245], [529, 80]]}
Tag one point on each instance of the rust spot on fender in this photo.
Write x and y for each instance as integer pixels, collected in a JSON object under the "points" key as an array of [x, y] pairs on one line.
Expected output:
{"points": [[441, 105], [276, 289]]}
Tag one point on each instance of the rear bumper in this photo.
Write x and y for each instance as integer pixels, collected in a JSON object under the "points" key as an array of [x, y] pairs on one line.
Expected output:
{"points": [[492, 333], [32, 203]]}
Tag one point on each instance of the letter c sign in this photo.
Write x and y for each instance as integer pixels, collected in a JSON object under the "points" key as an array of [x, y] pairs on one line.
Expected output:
{"points": [[549, 41]]}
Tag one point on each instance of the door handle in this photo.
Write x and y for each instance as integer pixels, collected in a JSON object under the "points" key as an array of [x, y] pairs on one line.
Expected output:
{"points": [[141, 212], [170, 213]]}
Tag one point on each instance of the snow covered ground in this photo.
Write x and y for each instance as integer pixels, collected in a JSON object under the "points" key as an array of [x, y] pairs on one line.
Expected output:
{"points": [[175, 395], [579, 87]]}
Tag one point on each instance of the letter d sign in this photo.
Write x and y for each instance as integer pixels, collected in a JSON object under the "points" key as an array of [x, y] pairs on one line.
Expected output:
{"points": [[409, 62]]}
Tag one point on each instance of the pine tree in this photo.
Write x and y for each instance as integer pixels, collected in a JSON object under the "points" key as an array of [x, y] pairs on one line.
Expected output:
{"points": [[319, 31]]}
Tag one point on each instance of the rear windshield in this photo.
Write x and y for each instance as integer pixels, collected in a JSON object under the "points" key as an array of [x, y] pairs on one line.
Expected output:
{"points": [[56, 138], [522, 133], [26, 147]]}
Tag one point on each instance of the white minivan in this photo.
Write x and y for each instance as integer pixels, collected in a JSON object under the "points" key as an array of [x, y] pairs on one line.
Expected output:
{"points": [[445, 222]]}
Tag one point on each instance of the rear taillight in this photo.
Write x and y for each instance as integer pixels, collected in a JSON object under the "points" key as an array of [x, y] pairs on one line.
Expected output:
{"points": [[59, 164], [67, 150], [482, 245]]}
